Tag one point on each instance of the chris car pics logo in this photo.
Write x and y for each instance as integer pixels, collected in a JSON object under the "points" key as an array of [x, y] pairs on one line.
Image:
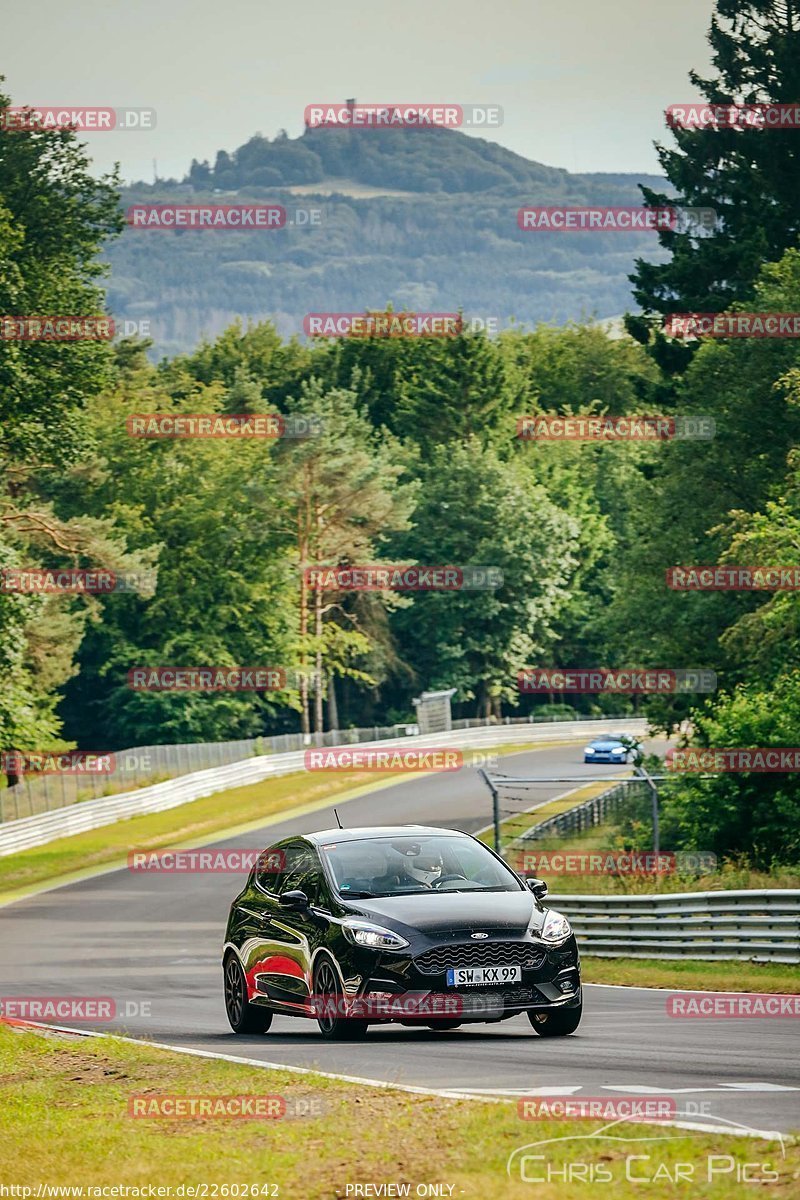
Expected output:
{"points": [[623, 1151]]}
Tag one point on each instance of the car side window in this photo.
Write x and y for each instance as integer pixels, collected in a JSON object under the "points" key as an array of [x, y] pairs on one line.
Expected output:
{"points": [[271, 868], [301, 872]]}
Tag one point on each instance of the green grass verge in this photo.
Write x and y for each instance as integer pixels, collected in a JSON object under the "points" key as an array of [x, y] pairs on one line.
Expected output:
{"points": [[64, 1121], [701, 976], [232, 811]]}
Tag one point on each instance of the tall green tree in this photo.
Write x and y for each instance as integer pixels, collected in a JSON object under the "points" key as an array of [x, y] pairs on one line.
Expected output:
{"points": [[749, 176], [192, 513], [54, 217], [750, 814], [475, 510], [341, 498], [747, 386]]}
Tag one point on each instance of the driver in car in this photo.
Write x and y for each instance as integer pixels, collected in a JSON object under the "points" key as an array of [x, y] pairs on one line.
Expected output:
{"points": [[413, 869]]}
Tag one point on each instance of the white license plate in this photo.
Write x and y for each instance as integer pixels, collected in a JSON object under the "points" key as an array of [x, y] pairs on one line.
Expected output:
{"points": [[472, 976]]}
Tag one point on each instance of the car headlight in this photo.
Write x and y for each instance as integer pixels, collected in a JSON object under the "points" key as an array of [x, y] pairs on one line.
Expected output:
{"points": [[618, 750], [556, 927], [375, 937], [589, 750]]}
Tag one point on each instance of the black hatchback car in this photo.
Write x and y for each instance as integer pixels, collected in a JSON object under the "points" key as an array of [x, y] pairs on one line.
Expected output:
{"points": [[411, 924]]}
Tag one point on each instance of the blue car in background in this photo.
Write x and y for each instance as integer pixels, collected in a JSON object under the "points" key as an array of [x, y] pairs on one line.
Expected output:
{"points": [[607, 748]]}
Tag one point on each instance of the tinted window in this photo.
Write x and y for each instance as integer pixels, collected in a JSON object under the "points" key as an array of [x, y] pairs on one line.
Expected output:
{"points": [[301, 872], [273, 864], [393, 866]]}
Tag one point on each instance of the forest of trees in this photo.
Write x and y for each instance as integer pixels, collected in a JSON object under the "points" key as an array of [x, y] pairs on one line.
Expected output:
{"points": [[418, 460]]}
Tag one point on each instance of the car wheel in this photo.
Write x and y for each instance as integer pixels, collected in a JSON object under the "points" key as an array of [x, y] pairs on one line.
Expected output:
{"points": [[328, 996], [243, 1017], [440, 1025], [559, 1023]]}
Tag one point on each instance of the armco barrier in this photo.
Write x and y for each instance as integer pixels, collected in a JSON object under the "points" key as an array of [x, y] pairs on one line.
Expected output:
{"points": [[143, 766], [585, 815], [93, 814], [754, 926]]}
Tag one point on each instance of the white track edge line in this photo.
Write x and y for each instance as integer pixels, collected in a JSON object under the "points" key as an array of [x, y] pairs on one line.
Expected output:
{"points": [[440, 1093]]}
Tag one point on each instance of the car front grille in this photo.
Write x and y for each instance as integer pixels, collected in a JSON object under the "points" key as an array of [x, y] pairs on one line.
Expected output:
{"points": [[475, 954]]}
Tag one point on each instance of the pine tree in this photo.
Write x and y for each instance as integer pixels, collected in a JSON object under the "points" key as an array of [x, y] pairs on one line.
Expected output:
{"points": [[749, 176]]}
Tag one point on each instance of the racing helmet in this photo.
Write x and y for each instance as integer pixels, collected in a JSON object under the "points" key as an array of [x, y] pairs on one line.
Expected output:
{"points": [[426, 866]]}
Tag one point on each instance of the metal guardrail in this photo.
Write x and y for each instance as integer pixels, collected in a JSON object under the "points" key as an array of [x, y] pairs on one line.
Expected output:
{"points": [[93, 814], [138, 766], [753, 926], [585, 815], [145, 765]]}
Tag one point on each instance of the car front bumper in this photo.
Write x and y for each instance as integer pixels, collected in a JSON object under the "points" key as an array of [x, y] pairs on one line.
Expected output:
{"points": [[397, 983]]}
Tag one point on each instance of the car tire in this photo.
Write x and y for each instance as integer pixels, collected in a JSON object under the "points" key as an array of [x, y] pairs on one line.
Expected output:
{"points": [[331, 1025], [243, 1017], [559, 1023]]}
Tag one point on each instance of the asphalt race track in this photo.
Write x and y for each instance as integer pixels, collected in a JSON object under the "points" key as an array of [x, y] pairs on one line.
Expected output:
{"points": [[152, 942]]}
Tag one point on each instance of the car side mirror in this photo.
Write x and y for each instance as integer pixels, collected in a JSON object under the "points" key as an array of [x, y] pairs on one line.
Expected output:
{"points": [[538, 887], [294, 899]]}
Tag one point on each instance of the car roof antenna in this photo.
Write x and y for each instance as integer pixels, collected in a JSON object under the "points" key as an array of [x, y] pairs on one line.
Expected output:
{"points": [[338, 822]]}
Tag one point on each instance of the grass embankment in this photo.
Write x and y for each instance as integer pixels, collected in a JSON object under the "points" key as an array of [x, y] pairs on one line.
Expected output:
{"points": [[64, 1121], [197, 822]]}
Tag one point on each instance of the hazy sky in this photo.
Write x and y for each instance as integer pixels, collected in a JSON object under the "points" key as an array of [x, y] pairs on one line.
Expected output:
{"points": [[583, 83]]}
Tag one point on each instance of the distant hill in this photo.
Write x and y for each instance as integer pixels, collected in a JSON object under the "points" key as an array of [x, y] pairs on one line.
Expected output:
{"points": [[424, 219]]}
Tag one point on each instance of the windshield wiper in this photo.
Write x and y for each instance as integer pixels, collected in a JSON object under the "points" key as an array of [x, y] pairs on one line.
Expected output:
{"points": [[358, 894]]}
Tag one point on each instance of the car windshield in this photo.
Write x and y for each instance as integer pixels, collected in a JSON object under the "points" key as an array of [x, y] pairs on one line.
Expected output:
{"points": [[408, 864]]}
